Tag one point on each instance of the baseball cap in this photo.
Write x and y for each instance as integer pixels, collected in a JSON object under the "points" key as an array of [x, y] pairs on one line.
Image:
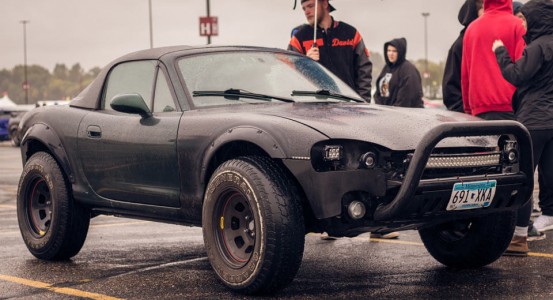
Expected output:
{"points": [[330, 7]]}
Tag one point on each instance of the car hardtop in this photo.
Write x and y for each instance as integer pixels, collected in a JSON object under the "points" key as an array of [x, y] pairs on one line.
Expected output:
{"points": [[89, 98]]}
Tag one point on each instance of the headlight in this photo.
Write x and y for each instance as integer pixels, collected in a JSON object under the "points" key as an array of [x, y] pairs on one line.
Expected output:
{"points": [[368, 160], [510, 152]]}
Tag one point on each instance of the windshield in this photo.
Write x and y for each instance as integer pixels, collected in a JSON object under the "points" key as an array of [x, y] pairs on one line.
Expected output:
{"points": [[274, 74]]}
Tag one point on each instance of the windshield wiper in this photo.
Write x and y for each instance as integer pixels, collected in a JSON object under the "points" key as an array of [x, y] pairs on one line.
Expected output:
{"points": [[325, 94], [236, 94]]}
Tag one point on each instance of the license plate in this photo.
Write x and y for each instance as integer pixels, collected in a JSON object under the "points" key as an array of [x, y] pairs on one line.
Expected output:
{"points": [[471, 195]]}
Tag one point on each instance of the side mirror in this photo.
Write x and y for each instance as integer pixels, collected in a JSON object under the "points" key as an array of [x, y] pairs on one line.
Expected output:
{"points": [[131, 104]]}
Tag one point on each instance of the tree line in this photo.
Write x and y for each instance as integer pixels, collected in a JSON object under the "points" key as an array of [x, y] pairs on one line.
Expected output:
{"points": [[63, 83]]}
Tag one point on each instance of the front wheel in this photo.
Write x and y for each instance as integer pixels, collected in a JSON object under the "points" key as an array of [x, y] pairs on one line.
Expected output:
{"points": [[253, 225], [470, 243], [52, 225]]}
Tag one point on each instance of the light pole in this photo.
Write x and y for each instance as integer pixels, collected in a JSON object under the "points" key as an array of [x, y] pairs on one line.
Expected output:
{"points": [[208, 15], [426, 75], [151, 27], [25, 83]]}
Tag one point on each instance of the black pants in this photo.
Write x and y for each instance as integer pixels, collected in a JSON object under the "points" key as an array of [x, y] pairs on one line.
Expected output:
{"points": [[542, 148], [497, 115], [546, 194]]}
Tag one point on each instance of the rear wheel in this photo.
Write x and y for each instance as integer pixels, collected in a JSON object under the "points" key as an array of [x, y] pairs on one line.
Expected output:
{"points": [[52, 225], [253, 225], [470, 243], [13, 136]]}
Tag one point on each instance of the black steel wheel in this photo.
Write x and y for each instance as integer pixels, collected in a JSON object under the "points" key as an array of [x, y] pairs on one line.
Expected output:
{"points": [[470, 243], [253, 225], [236, 233], [39, 206], [52, 225]]}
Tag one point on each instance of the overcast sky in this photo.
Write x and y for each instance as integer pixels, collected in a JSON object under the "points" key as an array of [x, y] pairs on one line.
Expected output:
{"points": [[95, 32]]}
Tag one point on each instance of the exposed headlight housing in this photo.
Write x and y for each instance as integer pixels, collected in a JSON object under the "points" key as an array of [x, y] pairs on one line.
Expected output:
{"points": [[368, 160], [510, 152]]}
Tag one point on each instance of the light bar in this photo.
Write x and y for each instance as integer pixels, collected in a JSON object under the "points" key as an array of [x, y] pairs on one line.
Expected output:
{"points": [[463, 161]]}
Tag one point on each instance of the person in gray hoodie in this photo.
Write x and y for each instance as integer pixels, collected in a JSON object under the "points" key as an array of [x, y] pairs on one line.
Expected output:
{"points": [[399, 83]]}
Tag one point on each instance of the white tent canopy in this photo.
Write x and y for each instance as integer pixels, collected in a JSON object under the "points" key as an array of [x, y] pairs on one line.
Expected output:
{"points": [[6, 102], [7, 105]]}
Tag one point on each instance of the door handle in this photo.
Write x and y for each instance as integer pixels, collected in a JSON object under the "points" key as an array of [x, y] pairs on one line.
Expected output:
{"points": [[94, 131]]}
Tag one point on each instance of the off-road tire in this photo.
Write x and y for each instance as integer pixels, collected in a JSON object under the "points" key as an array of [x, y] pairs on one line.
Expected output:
{"points": [[252, 194], [470, 243], [52, 225]]}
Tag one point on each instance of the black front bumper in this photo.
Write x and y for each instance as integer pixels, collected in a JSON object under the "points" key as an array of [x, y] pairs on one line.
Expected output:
{"points": [[419, 200]]}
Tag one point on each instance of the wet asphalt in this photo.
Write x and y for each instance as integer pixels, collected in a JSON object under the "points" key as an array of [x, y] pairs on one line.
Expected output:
{"points": [[134, 259]]}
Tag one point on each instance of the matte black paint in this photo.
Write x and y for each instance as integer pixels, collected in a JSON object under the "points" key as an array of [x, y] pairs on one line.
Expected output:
{"points": [[157, 167]]}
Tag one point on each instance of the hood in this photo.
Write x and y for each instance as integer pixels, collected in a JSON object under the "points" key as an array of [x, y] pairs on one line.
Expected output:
{"points": [[539, 17], [401, 45], [516, 7], [468, 13], [493, 6], [395, 128]]}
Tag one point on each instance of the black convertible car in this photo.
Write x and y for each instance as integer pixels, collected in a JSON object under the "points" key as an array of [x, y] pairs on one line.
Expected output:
{"points": [[259, 147]]}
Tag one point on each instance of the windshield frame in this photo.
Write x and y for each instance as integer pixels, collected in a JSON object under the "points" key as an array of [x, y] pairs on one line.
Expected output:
{"points": [[271, 53]]}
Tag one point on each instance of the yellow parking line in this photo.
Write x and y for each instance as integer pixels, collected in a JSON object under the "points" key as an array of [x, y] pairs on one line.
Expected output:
{"points": [[539, 254], [49, 287], [119, 224], [535, 254], [393, 241]]}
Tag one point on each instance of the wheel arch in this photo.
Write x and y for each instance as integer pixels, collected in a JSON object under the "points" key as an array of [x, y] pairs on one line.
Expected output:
{"points": [[237, 148], [239, 141], [41, 137]]}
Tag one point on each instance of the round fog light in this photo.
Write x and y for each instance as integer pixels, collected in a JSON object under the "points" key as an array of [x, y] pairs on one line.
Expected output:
{"points": [[512, 156], [356, 210]]}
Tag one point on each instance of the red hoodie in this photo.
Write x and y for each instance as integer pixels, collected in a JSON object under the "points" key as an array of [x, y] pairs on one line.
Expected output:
{"points": [[483, 87]]}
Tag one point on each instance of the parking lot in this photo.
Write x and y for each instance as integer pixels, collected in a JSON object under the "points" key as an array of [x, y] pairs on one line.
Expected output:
{"points": [[135, 259]]}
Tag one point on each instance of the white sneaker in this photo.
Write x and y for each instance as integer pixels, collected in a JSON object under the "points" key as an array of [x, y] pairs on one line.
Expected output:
{"points": [[544, 223]]}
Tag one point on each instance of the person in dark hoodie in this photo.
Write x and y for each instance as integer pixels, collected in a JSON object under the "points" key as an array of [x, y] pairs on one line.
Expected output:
{"points": [[399, 83], [533, 106], [451, 82]]}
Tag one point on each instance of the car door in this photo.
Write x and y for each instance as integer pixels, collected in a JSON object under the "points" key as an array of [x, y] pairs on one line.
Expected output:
{"points": [[126, 157]]}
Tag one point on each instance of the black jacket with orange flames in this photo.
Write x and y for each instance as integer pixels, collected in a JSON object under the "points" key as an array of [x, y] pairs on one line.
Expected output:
{"points": [[342, 51]]}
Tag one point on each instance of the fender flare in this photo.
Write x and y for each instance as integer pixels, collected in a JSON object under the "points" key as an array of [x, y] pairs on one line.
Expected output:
{"points": [[250, 134], [49, 139]]}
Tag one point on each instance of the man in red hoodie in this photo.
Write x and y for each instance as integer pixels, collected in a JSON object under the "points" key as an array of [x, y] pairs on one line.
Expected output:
{"points": [[485, 92]]}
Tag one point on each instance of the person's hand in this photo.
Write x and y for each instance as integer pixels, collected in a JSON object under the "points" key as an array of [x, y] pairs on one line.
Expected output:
{"points": [[497, 44], [313, 53]]}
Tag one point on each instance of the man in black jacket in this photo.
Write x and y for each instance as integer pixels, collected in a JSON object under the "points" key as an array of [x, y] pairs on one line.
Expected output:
{"points": [[533, 105], [399, 83], [451, 83], [339, 47]]}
